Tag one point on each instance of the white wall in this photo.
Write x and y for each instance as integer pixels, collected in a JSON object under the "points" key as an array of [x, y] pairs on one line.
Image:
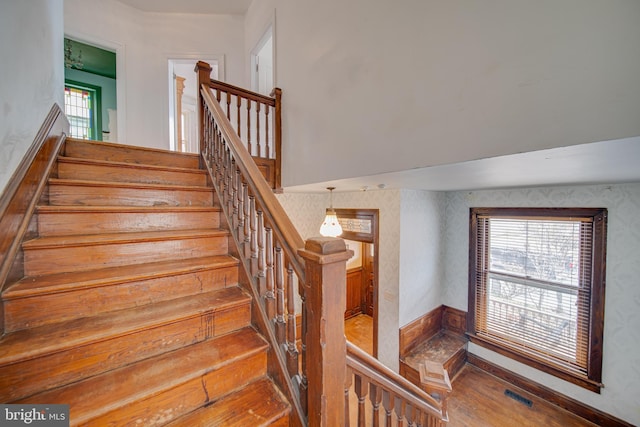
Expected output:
{"points": [[434, 82], [621, 358], [32, 74], [147, 41], [421, 246]]}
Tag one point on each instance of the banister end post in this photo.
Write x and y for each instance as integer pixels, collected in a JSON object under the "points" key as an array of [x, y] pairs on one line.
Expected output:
{"points": [[203, 71], [325, 288]]}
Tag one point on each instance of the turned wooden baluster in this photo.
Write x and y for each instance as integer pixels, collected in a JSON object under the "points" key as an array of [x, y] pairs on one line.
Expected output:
{"points": [[361, 388], [410, 415], [228, 96], [246, 244], [277, 135], [280, 325], [401, 407], [260, 277], [269, 297], [266, 130], [259, 152], [375, 395], [226, 180], [292, 351], [303, 350], [238, 104], [249, 126], [233, 169], [240, 226], [237, 188], [254, 238], [388, 403], [347, 391]]}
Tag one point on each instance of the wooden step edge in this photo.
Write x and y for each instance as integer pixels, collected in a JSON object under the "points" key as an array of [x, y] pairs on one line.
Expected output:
{"points": [[132, 147], [127, 185], [151, 376], [27, 344], [85, 240], [65, 209], [266, 402], [127, 165], [29, 287]]}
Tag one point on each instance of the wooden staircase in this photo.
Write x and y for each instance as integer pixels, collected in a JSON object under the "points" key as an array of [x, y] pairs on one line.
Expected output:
{"points": [[130, 308]]}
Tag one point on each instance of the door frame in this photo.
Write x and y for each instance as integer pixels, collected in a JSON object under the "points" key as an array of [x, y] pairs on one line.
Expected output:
{"points": [[373, 237]]}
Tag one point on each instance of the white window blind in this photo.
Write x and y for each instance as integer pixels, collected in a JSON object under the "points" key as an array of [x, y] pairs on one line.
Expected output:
{"points": [[532, 286]]}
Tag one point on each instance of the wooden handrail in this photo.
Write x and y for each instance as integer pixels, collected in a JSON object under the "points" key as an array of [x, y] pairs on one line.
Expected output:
{"points": [[244, 93]]}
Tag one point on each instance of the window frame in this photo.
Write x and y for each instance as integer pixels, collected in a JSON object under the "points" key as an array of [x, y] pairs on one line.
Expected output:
{"points": [[593, 378], [96, 105]]}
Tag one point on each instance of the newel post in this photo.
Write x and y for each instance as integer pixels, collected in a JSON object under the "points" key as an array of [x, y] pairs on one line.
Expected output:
{"points": [[203, 71], [325, 290]]}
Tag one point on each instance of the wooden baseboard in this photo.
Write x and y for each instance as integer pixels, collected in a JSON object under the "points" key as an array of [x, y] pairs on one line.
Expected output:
{"points": [[580, 409], [25, 188]]}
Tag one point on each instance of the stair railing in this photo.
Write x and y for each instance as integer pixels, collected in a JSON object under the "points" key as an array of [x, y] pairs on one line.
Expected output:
{"points": [[256, 119], [391, 397], [275, 259]]}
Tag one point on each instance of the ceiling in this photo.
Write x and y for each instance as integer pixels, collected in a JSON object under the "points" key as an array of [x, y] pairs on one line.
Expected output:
{"points": [[221, 7], [606, 162]]}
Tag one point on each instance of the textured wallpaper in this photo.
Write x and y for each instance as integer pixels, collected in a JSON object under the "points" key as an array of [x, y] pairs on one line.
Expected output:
{"points": [[621, 370]]}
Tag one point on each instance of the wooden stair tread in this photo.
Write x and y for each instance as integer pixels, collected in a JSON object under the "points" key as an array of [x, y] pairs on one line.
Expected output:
{"points": [[61, 282], [127, 185], [258, 404], [52, 338], [119, 238], [52, 209], [129, 148], [118, 388], [439, 348], [80, 160]]}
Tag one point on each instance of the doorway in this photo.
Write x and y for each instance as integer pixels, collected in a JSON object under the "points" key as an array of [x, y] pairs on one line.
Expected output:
{"points": [[262, 66], [183, 118], [361, 234], [90, 92]]}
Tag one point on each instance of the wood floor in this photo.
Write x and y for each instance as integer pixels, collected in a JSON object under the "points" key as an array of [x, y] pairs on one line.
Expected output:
{"points": [[478, 398]]}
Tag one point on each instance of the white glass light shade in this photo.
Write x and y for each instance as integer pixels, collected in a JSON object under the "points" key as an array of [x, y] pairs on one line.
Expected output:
{"points": [[331, 227]]}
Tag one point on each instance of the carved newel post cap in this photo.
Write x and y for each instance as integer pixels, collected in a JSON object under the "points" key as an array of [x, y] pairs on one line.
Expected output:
{"points": [[201, 65], [325, 250]]}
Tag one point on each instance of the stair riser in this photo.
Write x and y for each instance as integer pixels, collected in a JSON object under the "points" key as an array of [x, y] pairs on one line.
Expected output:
{"points": [[187, 397], [40, 310], [114, 173], [87, 195], [65, 224], [44, 373], [60, 259], [81, 149]]}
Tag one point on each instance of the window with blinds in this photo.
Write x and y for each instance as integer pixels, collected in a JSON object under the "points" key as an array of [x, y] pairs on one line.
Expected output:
{"points": [[536, 288]]}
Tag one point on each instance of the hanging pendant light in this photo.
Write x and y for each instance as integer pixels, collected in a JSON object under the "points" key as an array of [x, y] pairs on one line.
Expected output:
{"points": [[331, 227]]}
